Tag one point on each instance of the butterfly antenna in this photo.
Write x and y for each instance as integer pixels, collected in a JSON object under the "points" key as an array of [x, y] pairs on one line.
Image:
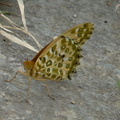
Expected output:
{"points": [[14, 49]]}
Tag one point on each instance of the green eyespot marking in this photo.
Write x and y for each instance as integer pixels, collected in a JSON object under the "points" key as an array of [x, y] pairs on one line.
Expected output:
{"points": [[49, 63]]}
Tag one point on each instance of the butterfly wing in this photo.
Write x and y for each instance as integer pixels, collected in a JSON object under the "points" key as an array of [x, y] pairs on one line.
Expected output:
{"points": [[79, 33], [59, 59]]}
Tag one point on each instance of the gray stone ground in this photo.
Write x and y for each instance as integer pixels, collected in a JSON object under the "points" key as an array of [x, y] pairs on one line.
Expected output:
{"points": [[93, 93]]}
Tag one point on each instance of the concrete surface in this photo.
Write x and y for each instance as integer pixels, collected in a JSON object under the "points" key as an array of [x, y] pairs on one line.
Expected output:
{"points": [[92, 94]]}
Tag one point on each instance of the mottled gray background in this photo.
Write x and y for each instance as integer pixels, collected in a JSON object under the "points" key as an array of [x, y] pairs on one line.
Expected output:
{"points": [[93, 93]]}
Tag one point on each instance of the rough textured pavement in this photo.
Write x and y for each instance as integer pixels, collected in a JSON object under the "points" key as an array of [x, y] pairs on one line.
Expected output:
{"points": [[93, 93]]}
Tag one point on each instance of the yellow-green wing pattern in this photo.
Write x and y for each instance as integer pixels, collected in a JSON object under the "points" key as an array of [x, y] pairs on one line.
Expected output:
{"points": [[59, 59]]}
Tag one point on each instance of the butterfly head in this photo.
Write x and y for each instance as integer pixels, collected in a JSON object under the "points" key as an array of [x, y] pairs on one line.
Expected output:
{"points": [[28, 66]]}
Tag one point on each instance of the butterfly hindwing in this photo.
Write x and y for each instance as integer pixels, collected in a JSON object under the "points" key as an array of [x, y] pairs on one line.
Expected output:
{"points": [[59, 61]]}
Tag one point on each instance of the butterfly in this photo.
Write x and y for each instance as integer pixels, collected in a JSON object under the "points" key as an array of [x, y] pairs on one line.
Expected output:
{"points": [[58, 60]]}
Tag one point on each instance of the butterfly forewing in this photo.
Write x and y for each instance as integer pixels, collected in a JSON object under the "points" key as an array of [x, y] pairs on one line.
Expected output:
{"points": [[79, 33]]}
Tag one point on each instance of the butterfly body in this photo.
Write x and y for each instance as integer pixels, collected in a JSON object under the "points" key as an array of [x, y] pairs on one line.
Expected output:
{"points": [[58, 60]]}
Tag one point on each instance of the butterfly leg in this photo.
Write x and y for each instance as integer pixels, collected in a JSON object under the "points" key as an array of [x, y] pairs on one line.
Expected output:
{"points": [[29, 83], [48, 91], [46, 88], [15, 76]]}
